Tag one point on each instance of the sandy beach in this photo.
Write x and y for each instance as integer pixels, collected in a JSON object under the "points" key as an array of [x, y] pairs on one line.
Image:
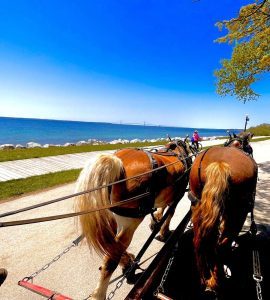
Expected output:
{"points": [[25, 249]]}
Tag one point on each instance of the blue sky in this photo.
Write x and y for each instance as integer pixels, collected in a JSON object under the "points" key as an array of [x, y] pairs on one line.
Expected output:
{"points": [[131, 61]]}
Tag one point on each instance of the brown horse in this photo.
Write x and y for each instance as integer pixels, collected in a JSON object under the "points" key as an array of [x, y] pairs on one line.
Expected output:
{"points": [[222, 188], [109, 232]]}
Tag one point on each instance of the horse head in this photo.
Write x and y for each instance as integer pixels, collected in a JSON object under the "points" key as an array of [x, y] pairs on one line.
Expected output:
{"points": [[179, 147], [246, 137], [241, 141]]}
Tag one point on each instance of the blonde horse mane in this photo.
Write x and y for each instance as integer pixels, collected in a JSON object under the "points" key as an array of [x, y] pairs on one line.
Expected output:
{"points": [[207, 214], [99, 228]]}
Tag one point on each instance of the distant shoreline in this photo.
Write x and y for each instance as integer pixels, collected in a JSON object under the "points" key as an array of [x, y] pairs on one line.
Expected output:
{"points": [[114, 123]]}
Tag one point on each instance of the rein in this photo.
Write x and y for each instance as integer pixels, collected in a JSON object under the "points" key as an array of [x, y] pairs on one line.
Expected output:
{"points": [[83, 192], [69, 215], [64, 216]]}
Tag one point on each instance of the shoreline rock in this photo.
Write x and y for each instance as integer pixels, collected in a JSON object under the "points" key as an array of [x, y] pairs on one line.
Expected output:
{"points": [[96, 142]]}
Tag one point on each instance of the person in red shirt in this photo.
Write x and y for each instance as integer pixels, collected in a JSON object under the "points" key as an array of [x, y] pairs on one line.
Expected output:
{"points": [[195, 140]]}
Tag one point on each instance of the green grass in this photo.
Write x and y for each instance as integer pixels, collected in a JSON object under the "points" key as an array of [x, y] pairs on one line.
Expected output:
{"points": [[260, 139], [16, 154], [19, 187], [261, 130]]}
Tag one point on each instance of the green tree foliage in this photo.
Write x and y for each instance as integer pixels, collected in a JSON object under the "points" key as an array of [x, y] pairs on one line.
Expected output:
{"points": [[250, 34]]}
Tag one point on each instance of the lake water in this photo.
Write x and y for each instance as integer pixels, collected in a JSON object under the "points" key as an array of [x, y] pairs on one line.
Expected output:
{"points": [[21, 131]]}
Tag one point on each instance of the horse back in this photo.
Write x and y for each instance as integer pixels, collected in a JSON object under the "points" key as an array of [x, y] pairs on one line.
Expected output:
{"points": [[137, 162], [243, 168]]}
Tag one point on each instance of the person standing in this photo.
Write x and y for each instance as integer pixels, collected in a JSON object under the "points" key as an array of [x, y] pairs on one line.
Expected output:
{"points": [[196, 139]]}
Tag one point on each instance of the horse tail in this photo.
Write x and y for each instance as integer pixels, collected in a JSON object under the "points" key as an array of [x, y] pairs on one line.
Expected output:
{"points": [[99, 228], [207, 214]]}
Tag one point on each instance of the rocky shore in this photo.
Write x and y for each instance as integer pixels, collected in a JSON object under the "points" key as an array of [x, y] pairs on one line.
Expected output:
{"points": [[93, 142]]}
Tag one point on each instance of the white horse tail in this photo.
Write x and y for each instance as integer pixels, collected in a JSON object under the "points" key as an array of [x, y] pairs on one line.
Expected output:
{"points": [[100, 227]]}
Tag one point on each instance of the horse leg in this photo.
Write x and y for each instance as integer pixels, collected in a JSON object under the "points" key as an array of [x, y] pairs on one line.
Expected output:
{"points": [[127, 227], [106, 270], [125, 230], [126, 263], [158, 214], [229, 230], [165, 232], [126, 260]]}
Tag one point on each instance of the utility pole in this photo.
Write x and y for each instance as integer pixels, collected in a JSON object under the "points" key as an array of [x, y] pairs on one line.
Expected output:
{"points": [[247, 119]]}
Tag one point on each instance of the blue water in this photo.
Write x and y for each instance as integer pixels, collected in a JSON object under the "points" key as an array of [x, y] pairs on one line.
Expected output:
{"points": [[22, 131]]}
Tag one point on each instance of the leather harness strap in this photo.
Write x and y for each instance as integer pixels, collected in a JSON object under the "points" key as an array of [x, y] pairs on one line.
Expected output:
{"points": [[146, 204], [194, 200]]}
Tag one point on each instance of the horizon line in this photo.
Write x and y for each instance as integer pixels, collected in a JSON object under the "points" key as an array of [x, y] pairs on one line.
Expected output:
{"points": [[115, 123]]}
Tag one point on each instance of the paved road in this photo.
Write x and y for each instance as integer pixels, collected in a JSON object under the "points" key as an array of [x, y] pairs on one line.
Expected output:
{"points": [[25, 249]]}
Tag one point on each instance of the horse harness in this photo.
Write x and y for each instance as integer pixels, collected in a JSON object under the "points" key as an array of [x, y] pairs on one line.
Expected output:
{"points": [[244, 145], [228, 143], [147, 207], [193, 199]]}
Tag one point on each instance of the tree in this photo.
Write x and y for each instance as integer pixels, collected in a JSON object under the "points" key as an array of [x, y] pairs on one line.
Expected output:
{"points": [[250, 34]]}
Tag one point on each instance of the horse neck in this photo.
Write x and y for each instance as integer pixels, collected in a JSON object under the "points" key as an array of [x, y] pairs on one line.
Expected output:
{"points": [[180, 151]]}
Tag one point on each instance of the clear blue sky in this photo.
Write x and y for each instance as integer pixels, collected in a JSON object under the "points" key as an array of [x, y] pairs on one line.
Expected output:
{"points": [[131, 61]]}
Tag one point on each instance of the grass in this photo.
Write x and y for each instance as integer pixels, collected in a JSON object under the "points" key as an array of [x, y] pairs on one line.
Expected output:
{"points": [[260, 139], [17, 154], [18, 187], [261, 130]]}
